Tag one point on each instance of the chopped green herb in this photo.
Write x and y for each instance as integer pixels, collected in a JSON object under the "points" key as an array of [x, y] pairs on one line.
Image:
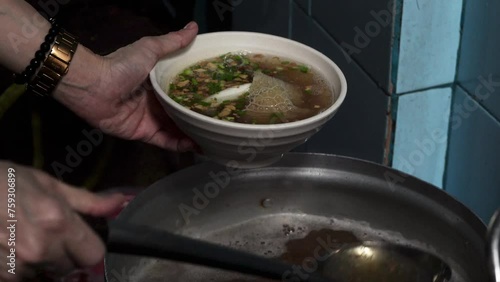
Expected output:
{"points": [[197, 96], [304, 69], [241, 102], [194, 81], [238, 59], [172, 87], [193, 88], [203, 103], [214, 87], [228, 76], [240, 112], [177, 99], [187, 72], [275, 117]]}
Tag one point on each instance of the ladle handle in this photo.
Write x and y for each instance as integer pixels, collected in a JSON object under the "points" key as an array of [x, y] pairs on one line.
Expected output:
{"points": [[494, 246]]}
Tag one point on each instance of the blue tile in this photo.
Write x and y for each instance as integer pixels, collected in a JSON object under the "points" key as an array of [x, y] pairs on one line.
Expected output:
{"points": [[358, 129], [430, 38], [364, 28], [473, 161], [480, 51], [422, 134], [263, 16]]}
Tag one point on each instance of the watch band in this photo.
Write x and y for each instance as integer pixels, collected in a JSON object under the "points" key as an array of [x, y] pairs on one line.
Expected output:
{"points": [[56, 64]]}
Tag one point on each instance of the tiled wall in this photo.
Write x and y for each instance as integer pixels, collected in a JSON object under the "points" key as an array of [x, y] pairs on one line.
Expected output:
{"points": [[427, 58], [422, 133], [271, 17], [359, 128], [473, 163]]}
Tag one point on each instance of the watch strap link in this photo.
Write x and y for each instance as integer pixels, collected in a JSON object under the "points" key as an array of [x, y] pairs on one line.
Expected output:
{"points": [[55, 65]]}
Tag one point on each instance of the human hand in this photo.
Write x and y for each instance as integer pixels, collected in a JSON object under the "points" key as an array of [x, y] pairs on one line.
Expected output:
{"points": [[113, 93], [49, 233]]}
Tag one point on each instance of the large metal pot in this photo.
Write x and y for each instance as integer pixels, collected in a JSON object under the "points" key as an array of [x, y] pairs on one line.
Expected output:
{"points": [[295, 207]]}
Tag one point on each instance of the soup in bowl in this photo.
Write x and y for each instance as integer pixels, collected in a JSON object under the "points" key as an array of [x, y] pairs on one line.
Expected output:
{"points": [[248, 98]]}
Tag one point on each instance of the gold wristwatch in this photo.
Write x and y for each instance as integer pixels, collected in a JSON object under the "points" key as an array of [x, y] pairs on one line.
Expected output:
{"points": [[56, 64]]}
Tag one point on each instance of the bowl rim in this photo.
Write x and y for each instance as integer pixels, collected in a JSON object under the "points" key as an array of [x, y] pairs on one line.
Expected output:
{"points": [[234, 125]]}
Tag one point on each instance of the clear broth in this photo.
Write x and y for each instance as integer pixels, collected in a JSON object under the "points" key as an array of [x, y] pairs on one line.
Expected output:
{"points": [[193, 85]]}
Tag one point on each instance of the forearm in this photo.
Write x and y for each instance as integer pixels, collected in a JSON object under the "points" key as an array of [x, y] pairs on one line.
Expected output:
{"points": [[23, 30]]}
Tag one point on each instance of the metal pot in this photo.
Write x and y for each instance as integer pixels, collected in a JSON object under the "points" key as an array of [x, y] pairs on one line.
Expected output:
{"points": [[294, 209]]}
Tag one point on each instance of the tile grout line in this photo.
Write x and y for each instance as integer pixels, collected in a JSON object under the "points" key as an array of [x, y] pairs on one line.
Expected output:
{"points": [[440, 86], [471, 96], [453, 94], [331, 37], [394, 112], [393, 79], [396, 43], [448, 140]]}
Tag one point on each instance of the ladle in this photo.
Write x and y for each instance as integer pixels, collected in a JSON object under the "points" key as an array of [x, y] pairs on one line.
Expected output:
{"points": [[368, 261], [378, 261]]}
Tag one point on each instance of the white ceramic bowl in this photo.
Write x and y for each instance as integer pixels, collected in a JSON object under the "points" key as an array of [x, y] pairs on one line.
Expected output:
{"points": [[245, 145]]}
